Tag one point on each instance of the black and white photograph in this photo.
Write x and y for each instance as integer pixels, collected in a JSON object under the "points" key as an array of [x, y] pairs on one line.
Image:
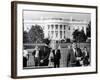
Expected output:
{"points": [[56, 39], [53, 39]]}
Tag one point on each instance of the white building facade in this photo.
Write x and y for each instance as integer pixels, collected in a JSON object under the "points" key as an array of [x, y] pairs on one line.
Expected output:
{"points": [[57, 28]]}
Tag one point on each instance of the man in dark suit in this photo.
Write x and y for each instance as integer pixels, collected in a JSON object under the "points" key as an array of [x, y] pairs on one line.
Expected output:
{"points": [[85, 59], [25, 57], [57, 57], [74, 56], [44, 55]]}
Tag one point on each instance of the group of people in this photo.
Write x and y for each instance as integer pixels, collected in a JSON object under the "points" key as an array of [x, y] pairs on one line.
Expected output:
{"points": [[77, 57], [45, 56]]}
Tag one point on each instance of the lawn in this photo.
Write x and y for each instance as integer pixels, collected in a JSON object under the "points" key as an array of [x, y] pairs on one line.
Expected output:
{"points": [[64, 51]]}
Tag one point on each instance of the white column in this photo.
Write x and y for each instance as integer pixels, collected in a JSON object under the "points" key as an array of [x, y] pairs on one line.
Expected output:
{"points": [[58, 32], [63, 31], [85, 26], [50, 32]]}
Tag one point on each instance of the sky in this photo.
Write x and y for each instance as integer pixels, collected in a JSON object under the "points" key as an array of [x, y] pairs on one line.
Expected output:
{"points": [[34, 15], [31, 15]]}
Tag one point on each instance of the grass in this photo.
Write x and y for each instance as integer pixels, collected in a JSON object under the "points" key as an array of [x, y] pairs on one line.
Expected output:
{"points": [[64, 51]]}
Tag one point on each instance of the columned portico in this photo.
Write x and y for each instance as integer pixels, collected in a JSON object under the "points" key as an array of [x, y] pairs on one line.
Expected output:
{"points": [[57, 28]]}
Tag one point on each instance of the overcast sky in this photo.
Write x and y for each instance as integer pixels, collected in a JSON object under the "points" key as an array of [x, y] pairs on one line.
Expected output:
{"points": [[31, 15]]}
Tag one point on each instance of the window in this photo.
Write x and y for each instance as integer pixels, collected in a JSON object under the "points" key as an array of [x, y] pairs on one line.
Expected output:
{"points": [[69, 28], [56, 26], [60, 26], [64, 34], [49, 34], [52, 26], [60, 34], [64, 27], [52, 32]]}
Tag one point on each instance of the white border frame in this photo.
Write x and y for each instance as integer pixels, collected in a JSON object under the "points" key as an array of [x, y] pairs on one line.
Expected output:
{"points": [[35, 72]]}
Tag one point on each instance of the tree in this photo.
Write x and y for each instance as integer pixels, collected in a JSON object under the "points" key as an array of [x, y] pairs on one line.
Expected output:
{"points": [[36, 34], [25, 37], [75, 35], [83, 36], [79, 36], [88, 30]]}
